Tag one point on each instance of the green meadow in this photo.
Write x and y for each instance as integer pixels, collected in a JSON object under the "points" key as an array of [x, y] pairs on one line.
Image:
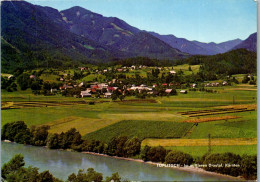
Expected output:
{"points": [[199, 151], [153, 117]]}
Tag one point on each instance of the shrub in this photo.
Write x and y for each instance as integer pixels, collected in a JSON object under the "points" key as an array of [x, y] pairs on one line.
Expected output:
{"points": [[178, 157], [226, 158], [157, 154], [249, 167]]}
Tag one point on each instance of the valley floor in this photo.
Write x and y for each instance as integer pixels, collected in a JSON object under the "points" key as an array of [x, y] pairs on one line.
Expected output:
{"points": [[181, 122]]}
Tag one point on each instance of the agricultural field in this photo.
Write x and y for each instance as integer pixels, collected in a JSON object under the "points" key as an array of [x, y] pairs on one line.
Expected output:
{"points": [[141, 129], [228, 114], [199, 151]]}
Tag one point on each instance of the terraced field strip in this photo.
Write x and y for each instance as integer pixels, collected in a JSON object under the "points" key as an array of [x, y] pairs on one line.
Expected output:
{"points": [[199, 142], [44, 104], [208, 111], [137, 101], [248, 106], [210, 119], [215, 111]]}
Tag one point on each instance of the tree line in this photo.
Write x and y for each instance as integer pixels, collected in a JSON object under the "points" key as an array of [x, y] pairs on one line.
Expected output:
{"points": [[122, 146]]}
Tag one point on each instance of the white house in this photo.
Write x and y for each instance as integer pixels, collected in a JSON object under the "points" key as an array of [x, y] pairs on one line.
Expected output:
{"points": [[183, 91], [107, 95], [54, 90], [85, 94], [194, 85], [168, 91], [81, 84], [173, 72], [11, 76]]}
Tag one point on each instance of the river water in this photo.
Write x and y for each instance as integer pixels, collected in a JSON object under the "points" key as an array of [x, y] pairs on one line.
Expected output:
{"points": [[63, 163]]}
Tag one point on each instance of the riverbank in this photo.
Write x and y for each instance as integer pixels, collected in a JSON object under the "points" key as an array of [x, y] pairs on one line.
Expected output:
{"points": [[191, 168]]}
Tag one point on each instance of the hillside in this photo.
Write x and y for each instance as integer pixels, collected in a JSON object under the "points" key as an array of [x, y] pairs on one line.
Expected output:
{"points": [[35, 36], [117, 34], [240, 61], [29, 28], [74, 35]]}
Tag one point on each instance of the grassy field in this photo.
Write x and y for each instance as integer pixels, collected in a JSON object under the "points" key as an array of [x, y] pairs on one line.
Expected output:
{"points": [[200, 142], [155, 117], [185, 69], [49, 77], [199, 151], [94, 77]]}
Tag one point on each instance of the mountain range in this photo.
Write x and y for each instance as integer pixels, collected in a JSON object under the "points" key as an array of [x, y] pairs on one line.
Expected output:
{"points": [[196, 47], [83, 35]]}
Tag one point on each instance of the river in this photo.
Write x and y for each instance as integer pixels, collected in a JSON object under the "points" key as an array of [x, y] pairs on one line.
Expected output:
{"points": [[63, 163]]}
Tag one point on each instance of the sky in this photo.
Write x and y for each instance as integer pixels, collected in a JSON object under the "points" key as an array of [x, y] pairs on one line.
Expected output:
{"points": [[201, 20]]}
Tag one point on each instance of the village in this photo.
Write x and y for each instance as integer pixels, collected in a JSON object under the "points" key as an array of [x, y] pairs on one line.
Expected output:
{"points": [[118, 82], [116, 87]]}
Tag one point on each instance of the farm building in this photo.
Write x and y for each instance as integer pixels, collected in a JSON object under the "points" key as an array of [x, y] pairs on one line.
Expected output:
{"points": [[183, 91], [119, 70], [164, 84], [224, 83], [11, 76], [173, 72], [168, 91], [94, 86], [194, 85], [82, 68], [102, 85], [81, 84], [68, 87], [32, 77], [111, 89], [54, 90], [107, 95], [85, 94]]}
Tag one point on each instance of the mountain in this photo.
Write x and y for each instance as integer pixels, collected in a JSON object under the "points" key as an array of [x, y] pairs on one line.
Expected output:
{"points": [[196, 47], [31, 28], [75, 34], [145, 45], [117, 34], [215, 48], [44, 36], [182, 44], [250, 43], [226, 46]]}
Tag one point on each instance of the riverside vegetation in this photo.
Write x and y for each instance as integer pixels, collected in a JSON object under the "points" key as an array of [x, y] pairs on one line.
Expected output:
{"points": [[120, 146]]}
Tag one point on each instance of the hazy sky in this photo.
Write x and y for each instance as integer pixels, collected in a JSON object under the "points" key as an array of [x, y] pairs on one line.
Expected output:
{"points": [[202, 20]]}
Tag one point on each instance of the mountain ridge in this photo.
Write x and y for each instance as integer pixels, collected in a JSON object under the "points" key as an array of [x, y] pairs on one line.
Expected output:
{"points": [[249, 44], [82, 35]]}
